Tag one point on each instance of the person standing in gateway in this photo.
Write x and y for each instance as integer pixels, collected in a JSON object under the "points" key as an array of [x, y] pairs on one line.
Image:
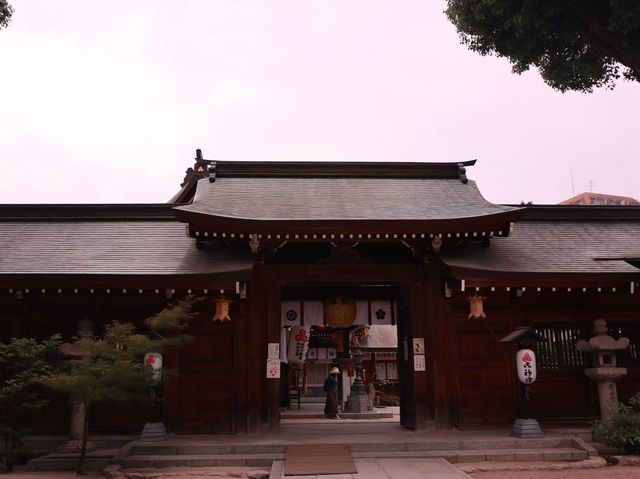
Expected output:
{"points": [[331, 388]]}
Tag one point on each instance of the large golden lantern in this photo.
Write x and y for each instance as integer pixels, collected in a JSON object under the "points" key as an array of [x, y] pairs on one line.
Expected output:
{"points": [[339, 311]]}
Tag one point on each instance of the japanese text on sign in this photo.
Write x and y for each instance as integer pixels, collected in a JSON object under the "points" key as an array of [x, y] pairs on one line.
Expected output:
{"points": [[526, 365]]}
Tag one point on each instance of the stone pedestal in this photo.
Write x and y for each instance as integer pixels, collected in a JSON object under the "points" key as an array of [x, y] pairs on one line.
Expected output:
{"points": [[526, 429], [359, 403], [76, 428], [607, 390]]}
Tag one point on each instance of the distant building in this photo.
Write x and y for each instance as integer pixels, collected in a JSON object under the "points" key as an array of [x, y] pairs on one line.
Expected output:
{"points": [[600, 199]]}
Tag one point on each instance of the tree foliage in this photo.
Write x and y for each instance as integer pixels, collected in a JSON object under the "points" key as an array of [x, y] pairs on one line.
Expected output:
{"points": [[623, 431], [24, 366], [575, 44], [112, 368], [6, 11]]}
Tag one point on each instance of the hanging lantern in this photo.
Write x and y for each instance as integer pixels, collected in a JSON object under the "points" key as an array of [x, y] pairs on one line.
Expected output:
{"points": [[298, 345], [526, 365], [339, 311], [222, 310], [154, 361], [476, 306]]}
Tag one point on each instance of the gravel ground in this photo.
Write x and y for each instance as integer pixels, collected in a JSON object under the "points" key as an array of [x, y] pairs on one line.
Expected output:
{"points": [[610, 472], [165, 473]]}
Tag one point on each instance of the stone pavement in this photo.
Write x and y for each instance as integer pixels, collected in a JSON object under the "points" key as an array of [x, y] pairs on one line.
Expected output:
{"points": [[385, 468]]}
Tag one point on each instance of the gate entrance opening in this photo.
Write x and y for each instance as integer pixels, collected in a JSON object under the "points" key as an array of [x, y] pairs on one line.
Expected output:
{"points": [[353, 328]]}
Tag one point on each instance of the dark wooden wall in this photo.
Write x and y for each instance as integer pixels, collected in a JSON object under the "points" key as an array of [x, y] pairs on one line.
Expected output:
{"points": [[486, 386], [470, 380], [40, 315]]}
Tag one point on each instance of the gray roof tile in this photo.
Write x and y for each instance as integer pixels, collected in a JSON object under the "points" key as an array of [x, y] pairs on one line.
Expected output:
{"points": [[556, 247], [110, 248], [341, 199]]}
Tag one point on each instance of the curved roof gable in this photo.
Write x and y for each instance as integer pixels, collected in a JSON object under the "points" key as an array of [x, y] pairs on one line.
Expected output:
{"points": [[557, 241], [420, 197]]}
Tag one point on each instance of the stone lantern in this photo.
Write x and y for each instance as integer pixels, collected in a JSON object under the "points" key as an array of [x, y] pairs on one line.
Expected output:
{"points": [[605, 373], [358, 401], [78, 411]]}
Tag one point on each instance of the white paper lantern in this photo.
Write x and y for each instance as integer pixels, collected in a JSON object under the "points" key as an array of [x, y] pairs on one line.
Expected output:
{"points": [[154, 361], [526, 364], [298, 345]]}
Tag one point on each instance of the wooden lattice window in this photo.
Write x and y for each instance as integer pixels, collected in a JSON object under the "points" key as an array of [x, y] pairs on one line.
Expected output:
{"points": [[559, 351]]}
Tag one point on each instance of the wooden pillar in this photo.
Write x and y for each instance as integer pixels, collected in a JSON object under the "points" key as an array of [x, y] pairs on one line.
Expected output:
{"points": [[254, 338], [443, 338], [272, 319], [240, 366], [419, 329]]}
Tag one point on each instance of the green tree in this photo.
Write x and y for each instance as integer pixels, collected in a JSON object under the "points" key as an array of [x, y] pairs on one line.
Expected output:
{"points": [[112, 368], [623, 430], [6, 11], [575, 44], [24, 366]]}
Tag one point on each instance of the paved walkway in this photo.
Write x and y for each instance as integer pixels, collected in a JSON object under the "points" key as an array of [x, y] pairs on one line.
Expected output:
{"points": [[388, 469]]}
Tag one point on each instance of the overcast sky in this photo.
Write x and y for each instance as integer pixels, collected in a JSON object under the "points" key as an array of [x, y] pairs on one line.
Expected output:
{"points": [[106, 101]]}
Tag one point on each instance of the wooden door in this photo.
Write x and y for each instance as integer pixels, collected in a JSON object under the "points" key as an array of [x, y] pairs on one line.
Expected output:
{"points": [[206, 385], [487, 394]]}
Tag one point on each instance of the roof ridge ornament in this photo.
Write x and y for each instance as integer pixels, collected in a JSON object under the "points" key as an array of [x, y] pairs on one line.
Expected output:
{"points": [[462, 173], [212, 172]]}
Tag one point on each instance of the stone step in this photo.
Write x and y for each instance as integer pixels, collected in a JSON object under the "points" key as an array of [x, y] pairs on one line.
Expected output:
{"points": [[64, 461], [202, 460], [142, 449], [41, 445], [312, 399], [497, 455], [164, 448], [266, 459], [465, 445]]}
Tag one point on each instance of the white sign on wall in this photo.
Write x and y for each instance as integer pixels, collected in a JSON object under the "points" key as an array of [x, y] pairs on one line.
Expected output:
{"points": [[273, 368], [419, 363], [273, 351]]}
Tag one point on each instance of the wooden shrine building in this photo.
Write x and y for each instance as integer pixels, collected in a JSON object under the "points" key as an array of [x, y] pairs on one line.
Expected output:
{"points": [[419, 235]]}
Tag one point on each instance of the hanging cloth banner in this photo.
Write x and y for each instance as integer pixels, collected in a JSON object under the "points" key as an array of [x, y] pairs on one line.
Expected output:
{"points": [[290, 313], [283, 345], [362, 312], [313, 313], [381, 312], [298, 345]]}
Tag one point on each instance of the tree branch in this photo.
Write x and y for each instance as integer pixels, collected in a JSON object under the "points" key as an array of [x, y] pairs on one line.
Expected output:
{"points": [[615, 44]]}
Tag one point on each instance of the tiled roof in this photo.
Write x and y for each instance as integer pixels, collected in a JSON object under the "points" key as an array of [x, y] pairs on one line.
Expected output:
{"points": [[120, 247], [318, 199], [555, 247]]}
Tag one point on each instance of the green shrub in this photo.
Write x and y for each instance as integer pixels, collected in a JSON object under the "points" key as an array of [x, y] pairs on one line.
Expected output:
{"points": [[623, 431], [25, 363]]}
